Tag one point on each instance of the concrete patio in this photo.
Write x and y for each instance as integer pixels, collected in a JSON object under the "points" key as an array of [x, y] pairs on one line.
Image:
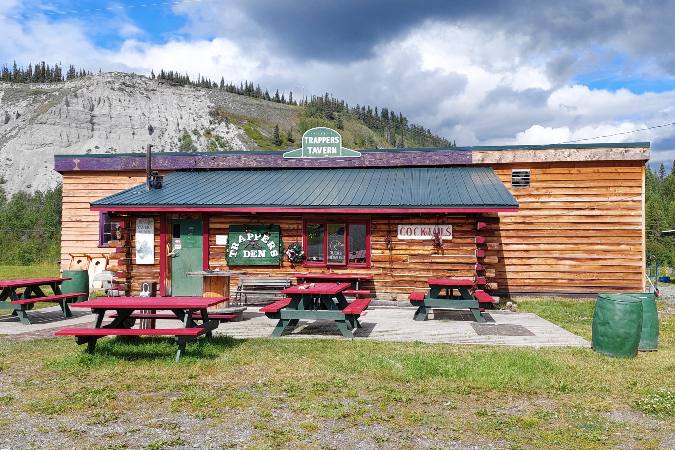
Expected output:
{"points": [[379, 323]]}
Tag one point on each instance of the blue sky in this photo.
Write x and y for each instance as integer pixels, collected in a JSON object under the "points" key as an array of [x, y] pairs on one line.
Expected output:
{"points": [[480, 72]]}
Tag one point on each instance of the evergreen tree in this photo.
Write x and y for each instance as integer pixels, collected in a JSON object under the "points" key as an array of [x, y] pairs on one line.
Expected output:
{"points": [[662, 171], [276, 139], [339, 124], [289, 136]]}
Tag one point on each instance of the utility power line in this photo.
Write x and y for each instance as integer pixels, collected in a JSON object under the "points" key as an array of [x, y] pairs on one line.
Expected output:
{"points": [[663, 125]]}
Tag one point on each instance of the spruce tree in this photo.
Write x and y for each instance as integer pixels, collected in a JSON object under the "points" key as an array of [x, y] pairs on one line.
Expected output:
{"points": [[662, 171], [276, 139], [289, 135]]}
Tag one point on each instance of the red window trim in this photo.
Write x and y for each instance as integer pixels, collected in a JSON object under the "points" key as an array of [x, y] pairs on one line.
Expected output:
{"points": [[346, 222]]}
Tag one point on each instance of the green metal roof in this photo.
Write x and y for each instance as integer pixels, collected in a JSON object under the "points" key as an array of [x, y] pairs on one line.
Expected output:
{"points": [[435, 188]]}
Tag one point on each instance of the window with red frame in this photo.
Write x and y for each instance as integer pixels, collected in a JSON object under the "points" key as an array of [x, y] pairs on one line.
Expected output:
{"points": [[337, 244]]}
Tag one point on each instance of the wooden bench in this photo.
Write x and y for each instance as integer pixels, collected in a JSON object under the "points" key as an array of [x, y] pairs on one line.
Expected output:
{"points": [[89, 336], [171, 316], [274, 308], [49, 298], [416, 296], [260, 287], [356, 307], [358, 292], [484, 297]]}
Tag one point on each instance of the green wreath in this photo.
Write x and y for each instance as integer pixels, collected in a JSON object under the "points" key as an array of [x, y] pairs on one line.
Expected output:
{"points": [[295, 254]]}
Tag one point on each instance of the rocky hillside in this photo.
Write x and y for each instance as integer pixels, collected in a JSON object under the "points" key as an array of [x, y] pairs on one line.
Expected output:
{"points": [[119, 112]]}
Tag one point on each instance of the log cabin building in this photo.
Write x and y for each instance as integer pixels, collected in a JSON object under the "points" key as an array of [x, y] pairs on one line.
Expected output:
{"points": [[561, 219]]}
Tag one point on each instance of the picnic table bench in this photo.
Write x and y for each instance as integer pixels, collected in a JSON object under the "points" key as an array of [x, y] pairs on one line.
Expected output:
{"points": [[466, 297], [21, 301], [317, 301], [265, 287], [189, 310]]}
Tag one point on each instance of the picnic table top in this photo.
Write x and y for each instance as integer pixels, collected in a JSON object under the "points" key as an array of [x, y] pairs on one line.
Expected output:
{"points": [[332, 276], [149, 303], [450, 282], [25, 282], [317, 288]]}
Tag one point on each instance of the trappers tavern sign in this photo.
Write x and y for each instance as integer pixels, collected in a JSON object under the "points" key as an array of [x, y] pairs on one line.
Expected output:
{"points": [[254, 245], [322, 142]]}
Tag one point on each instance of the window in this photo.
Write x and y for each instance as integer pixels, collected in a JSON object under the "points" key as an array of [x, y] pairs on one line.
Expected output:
{"points": [[520, 178], [337, 244], [107, 230]]}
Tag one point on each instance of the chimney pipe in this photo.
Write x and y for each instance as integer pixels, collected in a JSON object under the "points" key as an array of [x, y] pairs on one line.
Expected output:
{"points": [[148, 166]]}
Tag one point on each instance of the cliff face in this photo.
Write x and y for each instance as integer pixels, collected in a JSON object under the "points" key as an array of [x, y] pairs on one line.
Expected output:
{"points": [[116, 112]]}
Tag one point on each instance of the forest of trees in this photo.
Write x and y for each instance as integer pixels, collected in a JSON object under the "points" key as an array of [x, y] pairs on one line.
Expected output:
{"points": [[660, 214], [40, 73], [394, 127], [30, 227]]}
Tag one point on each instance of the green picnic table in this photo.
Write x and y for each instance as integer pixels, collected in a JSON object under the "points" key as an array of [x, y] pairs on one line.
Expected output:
{"points": [[21, 295], [317, 301], [450, 293]]}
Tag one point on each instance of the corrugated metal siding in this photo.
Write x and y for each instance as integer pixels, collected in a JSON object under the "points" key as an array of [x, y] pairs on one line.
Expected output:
{"points": [[397, 187]]}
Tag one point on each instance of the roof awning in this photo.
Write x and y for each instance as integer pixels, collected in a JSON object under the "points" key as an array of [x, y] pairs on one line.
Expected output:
{"points": [[363, 190]]}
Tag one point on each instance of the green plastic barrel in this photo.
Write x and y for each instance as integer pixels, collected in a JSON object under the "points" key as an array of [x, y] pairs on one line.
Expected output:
{"points": [[649, 337], [79, 282], [617, 325]]}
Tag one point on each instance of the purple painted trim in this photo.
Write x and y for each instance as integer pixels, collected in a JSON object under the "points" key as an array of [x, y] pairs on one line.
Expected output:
{"points": [[101, 224], [257, 160]]}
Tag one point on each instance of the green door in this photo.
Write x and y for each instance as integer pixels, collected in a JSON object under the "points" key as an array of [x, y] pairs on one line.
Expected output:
{"points": [[186, 248]]}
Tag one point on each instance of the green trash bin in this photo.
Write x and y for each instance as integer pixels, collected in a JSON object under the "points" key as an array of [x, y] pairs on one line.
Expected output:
{"points": [[649, 337], [617, 325], [79, 282]]}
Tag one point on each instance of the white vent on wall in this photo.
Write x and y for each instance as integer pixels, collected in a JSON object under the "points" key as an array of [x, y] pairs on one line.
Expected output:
{"points": [[520, 178]]}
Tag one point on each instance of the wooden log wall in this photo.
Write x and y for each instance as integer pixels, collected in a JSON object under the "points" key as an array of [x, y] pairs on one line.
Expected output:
{"points": [[80, 225], [397, 268], [579, 229]]}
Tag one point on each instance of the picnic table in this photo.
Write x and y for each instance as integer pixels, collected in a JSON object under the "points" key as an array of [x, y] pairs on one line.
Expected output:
{"points": [[189, 310], [21, 301], [460, 293], [353, 278], [317, 301]]}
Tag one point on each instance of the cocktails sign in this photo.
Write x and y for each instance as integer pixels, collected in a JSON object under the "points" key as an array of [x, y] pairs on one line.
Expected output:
{"points": [[424, 232], [322, 142]]}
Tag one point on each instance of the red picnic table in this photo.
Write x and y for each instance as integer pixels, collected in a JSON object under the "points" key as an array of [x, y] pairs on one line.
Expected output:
{"points": [[354, 278], [22, 301], [466, 297], [189, 310], [317, 301]]}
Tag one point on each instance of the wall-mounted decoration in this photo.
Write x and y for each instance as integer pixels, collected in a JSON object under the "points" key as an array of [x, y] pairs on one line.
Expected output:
{"points": [[322, 142], [254, 245], [295, 253], [425, 232], [145, 240]]}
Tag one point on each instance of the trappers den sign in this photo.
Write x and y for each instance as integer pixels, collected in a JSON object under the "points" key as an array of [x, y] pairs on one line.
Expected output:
{"points": [[254, 245], [322, 142]]}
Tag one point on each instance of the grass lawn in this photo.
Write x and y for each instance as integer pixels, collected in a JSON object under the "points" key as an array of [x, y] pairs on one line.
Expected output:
{"points": [[283, 393]]}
